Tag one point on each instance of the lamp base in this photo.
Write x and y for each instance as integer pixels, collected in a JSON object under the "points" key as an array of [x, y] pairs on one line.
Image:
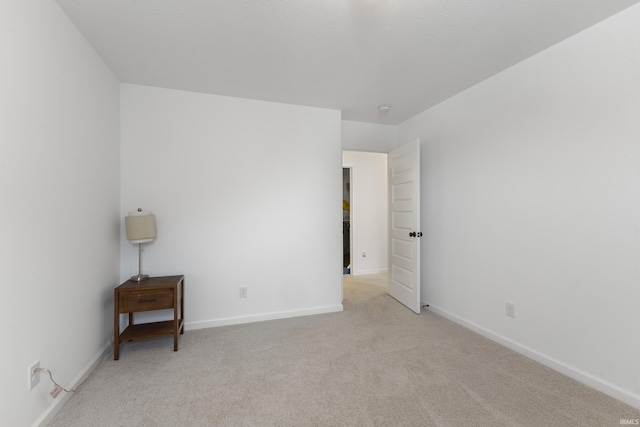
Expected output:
{"points": [[139, 278]]}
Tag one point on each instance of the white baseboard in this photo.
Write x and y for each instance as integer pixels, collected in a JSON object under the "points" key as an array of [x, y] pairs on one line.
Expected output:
{"points": [[592, 381], [261, 317], [371, 271], [57, 404]]}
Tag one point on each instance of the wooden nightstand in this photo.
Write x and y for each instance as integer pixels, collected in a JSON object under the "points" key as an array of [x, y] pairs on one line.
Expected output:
{"points": [[156, 293]]}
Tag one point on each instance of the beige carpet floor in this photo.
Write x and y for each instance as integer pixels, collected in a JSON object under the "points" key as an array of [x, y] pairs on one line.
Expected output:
{"points": [[375, 364]]}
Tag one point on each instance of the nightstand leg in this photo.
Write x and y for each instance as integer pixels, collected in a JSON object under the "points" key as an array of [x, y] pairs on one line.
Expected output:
{"points": [[182, 307], [175, 318], [116, 329]]}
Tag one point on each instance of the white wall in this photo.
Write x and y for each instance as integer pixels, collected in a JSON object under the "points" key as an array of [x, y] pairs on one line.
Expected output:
{"points": [[373, 137], [59, 222], [368, 211], [245, 193], [530, 194]]}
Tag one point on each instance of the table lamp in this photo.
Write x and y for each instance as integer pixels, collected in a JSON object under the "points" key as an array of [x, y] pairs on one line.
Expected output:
{"points": [[141, 228]]}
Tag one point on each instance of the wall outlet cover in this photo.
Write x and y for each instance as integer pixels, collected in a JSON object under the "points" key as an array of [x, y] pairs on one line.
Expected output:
{"points": [[511, 310], [33, 377]]}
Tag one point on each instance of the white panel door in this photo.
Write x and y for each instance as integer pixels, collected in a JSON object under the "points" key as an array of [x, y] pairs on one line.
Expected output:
{"points": [[404, 225]]}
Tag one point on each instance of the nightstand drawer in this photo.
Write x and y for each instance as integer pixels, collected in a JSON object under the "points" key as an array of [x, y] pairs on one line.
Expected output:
{"points": [[145, 300]]}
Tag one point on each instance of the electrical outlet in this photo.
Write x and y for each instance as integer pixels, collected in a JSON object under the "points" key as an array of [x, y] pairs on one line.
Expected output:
{"points": [[33, 376], [243, 291], [511, 310]]}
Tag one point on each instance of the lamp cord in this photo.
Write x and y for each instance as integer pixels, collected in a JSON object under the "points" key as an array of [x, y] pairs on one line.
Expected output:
{"points": [[53, 381]]}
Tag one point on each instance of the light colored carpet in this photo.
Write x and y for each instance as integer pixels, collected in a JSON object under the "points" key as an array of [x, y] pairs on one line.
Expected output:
{"points": [[375, 364]]}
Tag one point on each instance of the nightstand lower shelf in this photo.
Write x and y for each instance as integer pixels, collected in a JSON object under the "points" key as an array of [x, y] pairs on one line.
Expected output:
{"points": [[149, 330]]}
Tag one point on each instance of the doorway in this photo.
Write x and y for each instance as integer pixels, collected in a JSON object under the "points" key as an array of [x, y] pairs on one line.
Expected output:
{"points": [[346, 220], [364, 212]]}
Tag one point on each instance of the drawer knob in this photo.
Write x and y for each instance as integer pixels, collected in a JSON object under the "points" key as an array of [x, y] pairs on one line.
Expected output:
{"points": [[146, 300]]}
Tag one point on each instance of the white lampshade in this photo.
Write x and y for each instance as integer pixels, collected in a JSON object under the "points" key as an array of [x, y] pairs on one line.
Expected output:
{"points": [[140, 226]]}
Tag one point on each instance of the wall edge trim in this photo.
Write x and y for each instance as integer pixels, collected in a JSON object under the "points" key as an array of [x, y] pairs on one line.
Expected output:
{"points": [[263, 317], [610, 389]]}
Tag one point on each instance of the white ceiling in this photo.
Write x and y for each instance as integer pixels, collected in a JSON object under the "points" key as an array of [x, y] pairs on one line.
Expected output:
{"points": [[351, 55]]}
